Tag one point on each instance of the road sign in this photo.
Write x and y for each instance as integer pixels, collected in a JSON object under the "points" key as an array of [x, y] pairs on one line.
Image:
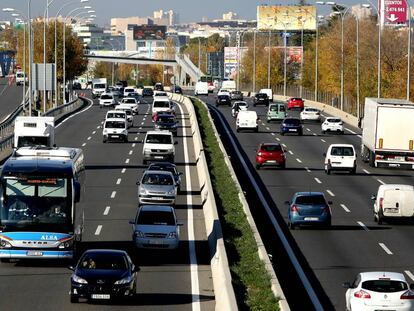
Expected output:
{"points": [[394, 12]]}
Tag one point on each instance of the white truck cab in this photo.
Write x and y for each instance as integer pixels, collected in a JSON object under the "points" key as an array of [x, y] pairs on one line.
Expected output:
{"points": [[247, 120], [269, 93], [34, 131], [127, 109]]}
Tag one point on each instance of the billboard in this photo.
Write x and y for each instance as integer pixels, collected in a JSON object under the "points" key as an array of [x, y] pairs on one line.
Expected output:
{"points": [[286, 17], [215, 61], [231, 60], [149, 32], [393, 12]]}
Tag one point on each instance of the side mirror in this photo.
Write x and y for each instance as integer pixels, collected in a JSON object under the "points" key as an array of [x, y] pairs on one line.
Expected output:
{"points": [[287, 202], [138, 183], [77, 188], [346, 285], [324, 154], [131, 222], [330, 202], [180, 224], [71, 268], [373, 197], [176, 143]]}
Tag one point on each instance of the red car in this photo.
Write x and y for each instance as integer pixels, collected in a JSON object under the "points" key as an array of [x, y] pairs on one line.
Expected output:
{"points": [[295, 102], [270, 154]]}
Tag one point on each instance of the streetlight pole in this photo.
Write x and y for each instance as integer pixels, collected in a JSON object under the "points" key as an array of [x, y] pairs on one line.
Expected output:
{"points": [[254, 60], [357, 66], [113, 64], [285, 60], [48, 3], [199, 54], [268, 63], [316, 59], [379, 46], [409, 51]]}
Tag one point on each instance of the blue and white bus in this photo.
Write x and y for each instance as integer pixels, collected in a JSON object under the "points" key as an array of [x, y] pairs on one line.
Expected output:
{"points": [[39, 214]]}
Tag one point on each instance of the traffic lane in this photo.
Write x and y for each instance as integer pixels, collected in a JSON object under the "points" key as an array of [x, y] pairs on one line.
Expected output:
{"points": [[10, 97]]}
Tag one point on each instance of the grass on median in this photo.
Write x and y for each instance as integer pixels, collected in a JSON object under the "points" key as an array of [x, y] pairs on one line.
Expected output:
{"points": [[250, 279]]}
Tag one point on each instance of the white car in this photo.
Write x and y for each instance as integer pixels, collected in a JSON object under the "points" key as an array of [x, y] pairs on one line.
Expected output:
{"points": [[332, 125], [107, 100], [128, 111], [372, 291], [158, 146], [310, 113], [116, 114], [115, 129], [131, 102], [128, 90], [340, 157], [223, 92], [243, 106]]}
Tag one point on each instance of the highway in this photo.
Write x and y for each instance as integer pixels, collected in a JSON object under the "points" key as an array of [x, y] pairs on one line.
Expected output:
{"points": [[10, 97], [166, 280], [354, 243]]}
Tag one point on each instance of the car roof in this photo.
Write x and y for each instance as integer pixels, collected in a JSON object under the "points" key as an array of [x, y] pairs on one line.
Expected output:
{"points": [[341, 145], [162, 132], [122, 106], [375, 275], [333, 118], [247, 112], [396, 186], [106, 251], [115, 119], [309, 193], [162, 164], [157, 172], [270, 144], [156, 208], [114, 111]]}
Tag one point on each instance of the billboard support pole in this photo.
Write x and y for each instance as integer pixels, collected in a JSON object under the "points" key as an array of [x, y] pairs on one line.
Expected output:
{"points": [[409, 51]]}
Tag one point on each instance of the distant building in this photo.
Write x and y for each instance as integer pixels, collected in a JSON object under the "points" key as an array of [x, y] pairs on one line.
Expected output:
{"points": [[361, 12], [204, 19], [91, 35], [230, 16], [167, 18], [119, 25]]}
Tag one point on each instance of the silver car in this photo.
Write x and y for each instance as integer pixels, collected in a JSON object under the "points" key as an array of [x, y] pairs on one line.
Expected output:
{"points": [[157, 187], [155, 226]]}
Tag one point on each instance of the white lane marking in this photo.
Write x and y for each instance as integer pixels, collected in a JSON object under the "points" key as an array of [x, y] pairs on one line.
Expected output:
{"points": [[308, 129], [299, 160], [113, 194], [106, 212], [385, 248], [323, 140], [123, 171], [284, 145], [359, 136], [314, 134], [410, 275], [142, 123], [84, 144], [366, 171], [118, 181], [136, 138], [350, 131], [273, 134], [380, 181], [94, 132], [79, 112], [330, 192], [133, 145], [144, 118], [191, 237], [307, 169], [130, 152], [290, 151], [277, 138], [98, 127], [89, 138], [98, 230], [317, 180], [362, 225], [345, 208], [267, 128], [126, 161], [140, 128]]}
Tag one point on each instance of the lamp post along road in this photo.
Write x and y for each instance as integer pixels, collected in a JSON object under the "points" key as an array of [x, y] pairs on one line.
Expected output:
{"points": [[45, 18], [268, 63], [409, 51], [254, 60]]}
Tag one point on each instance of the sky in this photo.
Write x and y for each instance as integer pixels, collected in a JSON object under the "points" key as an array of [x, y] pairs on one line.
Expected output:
{"points": [[189, 10]]}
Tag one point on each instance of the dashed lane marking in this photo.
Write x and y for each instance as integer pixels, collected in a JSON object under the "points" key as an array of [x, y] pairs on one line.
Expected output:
{"points": [[317, 180], [123, 171], [410, 275], [130, 152], [106, 212], [89, 138], [330, 193], [94, 132], [307, 169], [84, 144], [290, 152], [299, 160], [385, 248], [113, 194], [366, 171], [126, 161], [345, 208], [323, 140], [380, 181], [98, 230], [362, 225], [133, 145], [350, 131], [118, 181]]}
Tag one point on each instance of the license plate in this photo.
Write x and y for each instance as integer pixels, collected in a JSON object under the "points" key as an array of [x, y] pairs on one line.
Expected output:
{"points": [[271, 161], [311, 218], [100, 296], [156, 198], [243, 124], [34, 253], [261, 99], [158, 157], [292, 130], [391, 210], [156, 242], [115, 136]]}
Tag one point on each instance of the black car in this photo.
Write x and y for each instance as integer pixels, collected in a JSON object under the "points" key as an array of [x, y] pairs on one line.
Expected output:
{"points": [[137, 96], [166, 121], [158, 87], [103, 274], [291, 125], [169, 167], [261, 99], [76, 86], [147, 92], [223, 100], [176, 89]]}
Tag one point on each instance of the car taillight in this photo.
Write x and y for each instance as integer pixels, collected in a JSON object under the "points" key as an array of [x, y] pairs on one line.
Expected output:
{"points": [[294, 209], [362, 294], [326, 209], [381, 202], [407, 295], [379, 157]]}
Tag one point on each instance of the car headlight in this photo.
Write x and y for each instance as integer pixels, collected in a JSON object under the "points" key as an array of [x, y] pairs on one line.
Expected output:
{"points": [[171, 192], [172, 235], [126, 280], [105, 131], [66, 244], [142, 191], [147, 151], [79, 280], [5, 244], [139, 234]]}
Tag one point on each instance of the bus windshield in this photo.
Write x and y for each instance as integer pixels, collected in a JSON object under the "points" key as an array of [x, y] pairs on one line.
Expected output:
{"points": [[36, 202]]}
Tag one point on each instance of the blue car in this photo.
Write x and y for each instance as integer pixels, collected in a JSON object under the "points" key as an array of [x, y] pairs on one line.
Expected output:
{"points": [[309, 208], [291, 125]]}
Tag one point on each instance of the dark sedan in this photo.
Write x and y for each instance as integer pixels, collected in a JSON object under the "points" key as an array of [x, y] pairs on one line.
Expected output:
{"points": [[291, 125], [167, 122], [103, 274], [176, 89], [147, 92], [261, 99], [223, 100]]}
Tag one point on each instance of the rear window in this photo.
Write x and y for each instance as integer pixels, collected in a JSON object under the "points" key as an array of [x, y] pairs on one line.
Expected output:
{"points": [[115, 115], [156, 218], [296, 98], [384, 286], [342, 151], [312, 110], [271, 148], [103, 262], [310, 200], [129, 90], [165, 120], [162, 168], [114, 124], [292, 121], [129, 101], [334, 120], [264, 95], [161, 104], [106, 97], [158, 139]]}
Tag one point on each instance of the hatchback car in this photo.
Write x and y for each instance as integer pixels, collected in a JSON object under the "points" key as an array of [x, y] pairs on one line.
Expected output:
{"points": [[157, 187], [169, 167], [236, 95], [295, 103], [177, 89], [379, 291], [131, 102], [340, 157], [291, 125], [115, 129], [270, 154], [156, 226], [311, 114], [107, 100], [261, 99], [332, 125], [166, 121], [308, 208], [276, 112], [223, 100], [103, 274]]}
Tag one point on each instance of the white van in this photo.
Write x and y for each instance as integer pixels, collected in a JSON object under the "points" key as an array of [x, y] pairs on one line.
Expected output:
{"points": [[162, 105], [340, 157], [128, 90], [247, 120], [115, 129], [269, 93], [201, 88], [128, 111], [393, 201], [116, 114]]}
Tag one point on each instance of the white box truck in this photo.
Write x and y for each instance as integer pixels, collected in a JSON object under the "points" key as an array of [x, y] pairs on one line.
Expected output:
{"points": [[98, 87], [34, 131], [388, 133], [229, 85]]}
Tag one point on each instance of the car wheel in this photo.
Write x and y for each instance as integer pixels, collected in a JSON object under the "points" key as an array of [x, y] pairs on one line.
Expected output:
{"points": [[328, 171], [104, 141], [323, 132], [144, 162], [5, 260], [291, 226], [237, 130], [371, 159], [283, 166], [353, 171], [258, 166], [300, 133], [74, 299], [268, 121], [282, 133], [256, 129], [254, 105]]}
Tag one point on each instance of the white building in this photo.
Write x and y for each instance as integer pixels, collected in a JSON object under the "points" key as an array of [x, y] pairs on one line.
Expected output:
{"points": [[230, 16], [361, 12]]}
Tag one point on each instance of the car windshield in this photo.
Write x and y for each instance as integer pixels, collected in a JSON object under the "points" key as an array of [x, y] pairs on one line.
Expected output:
{"points": [[165, 120], [296, 99], [310, 200], [126, 110], [158, 139], [384, 286], [114, 125], [223, 96], [129, 101], [236, 92], [161, 94], [292, 121], [106, 97], [115, 115], [99, 86], [162, 104], [19, 75], [264, 95], [157, 179], [129, 90], [342, 151], [103, 262], [271, 148], [311, 110], [156, 218]]}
